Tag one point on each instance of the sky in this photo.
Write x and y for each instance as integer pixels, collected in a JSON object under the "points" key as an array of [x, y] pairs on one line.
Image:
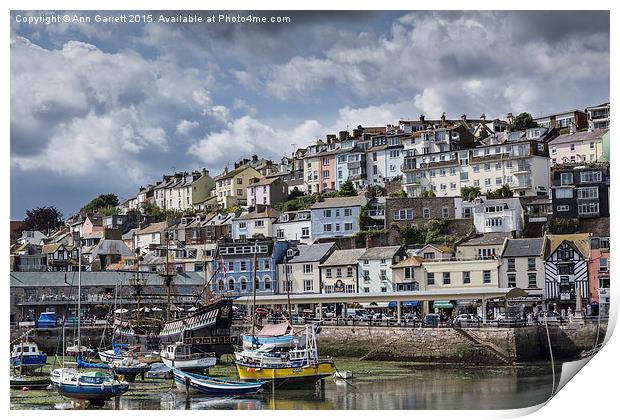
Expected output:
{"points": [[102, 108]]}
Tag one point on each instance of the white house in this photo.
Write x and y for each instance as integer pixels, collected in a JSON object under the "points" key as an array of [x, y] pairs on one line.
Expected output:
{"points": [[255, 223], [498, 215], [294, 225], [523, 266], [34, 237], [152, 234], [376, 266]]}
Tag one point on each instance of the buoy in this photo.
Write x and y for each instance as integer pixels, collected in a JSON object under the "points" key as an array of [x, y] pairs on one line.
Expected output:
{"points": [[25, 389]]}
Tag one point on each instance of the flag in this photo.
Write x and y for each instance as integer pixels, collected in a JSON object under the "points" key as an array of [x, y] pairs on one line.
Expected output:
{"points": [[223, 266]]}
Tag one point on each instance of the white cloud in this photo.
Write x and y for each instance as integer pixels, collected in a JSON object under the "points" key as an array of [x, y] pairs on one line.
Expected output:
{"points": [[184, 127]]}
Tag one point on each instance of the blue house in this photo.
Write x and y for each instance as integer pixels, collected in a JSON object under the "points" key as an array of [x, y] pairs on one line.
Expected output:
{"points": [[334, 217], [235, 260]]}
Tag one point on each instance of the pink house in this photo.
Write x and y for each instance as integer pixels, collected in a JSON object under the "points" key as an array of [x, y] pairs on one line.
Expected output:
{"points": [[327, 164], [92, 224], [585, 146], [599, 270], [267, 191]]}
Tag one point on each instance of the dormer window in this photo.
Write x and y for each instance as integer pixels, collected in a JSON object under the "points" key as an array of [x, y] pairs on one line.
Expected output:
{"points": [[290, 253]]}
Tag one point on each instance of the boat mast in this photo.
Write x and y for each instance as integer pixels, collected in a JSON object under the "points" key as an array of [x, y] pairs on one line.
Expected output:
{"points": [[254, 291], [288, 290], [167, 277], [79, 304]]}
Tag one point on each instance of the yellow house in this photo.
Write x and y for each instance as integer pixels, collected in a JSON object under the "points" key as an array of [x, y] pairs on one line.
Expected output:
{"points": [[461, 273], [481, 246], [231, 186], [409, 275]]}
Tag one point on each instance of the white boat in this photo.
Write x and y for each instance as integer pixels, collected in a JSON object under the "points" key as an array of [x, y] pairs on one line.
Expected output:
{"points": [[181, 356], [26, 356]]}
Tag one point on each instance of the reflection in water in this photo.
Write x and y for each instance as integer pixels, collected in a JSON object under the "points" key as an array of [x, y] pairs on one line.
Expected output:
{"points": [[420, 387]]}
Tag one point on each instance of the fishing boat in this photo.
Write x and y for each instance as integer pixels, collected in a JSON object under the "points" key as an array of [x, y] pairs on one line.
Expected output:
{"points": [[26, 356], [117, 352], [198, 384], [280, 335], [287, 368], [183, 357]]}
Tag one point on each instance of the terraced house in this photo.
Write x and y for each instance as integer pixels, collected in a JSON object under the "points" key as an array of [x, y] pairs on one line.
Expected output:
{"points": [[300, 267], [341, 271]]}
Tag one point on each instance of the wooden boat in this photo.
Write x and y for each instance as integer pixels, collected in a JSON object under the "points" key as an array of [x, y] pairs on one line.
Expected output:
{"points": [[20, 382], [199, 384], [129, 368], [287, 368], [184, 357], [27, 357]]}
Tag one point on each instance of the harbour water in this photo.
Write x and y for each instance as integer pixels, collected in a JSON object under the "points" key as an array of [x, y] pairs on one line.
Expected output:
{"points": [[375, 385]]}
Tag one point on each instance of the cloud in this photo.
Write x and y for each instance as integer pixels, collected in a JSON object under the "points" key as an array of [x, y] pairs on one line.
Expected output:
{"points": [[184, 127]]}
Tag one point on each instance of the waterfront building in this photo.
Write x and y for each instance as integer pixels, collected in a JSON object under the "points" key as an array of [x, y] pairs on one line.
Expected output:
{"points": [[459, 273], [434, 252], [481, 246], [498, 215], [598, 116], [412, 211], [256, 223], [27, 257], [523, 266], [580, 191], [376, 268], [341, 271], [573, 119], [235, 261], [517, 159], [599, 270], [266, 191], [566, 270], [61, 257], [584, 146], [408, 275], [335, 217], [294, 226], [301, 267]]}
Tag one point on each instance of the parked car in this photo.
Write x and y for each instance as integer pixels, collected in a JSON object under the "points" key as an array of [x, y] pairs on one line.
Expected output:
{"points": [[410, 316], [548, 316], [467, 320], [431, 320]]}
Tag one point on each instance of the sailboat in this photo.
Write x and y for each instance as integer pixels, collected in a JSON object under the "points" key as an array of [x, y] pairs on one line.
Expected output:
{"points": [[96, 387]]}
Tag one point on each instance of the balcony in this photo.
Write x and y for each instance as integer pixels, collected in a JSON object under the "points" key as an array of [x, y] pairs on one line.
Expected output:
{"points": [[522, 169]]}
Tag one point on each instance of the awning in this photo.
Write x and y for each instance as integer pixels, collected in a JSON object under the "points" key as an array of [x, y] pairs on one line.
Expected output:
{"points": [[405, 304], [442, 304], [376, 305]]}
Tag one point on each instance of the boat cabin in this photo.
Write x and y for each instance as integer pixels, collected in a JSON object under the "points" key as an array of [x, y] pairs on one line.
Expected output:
{"points": [[29, 349]]}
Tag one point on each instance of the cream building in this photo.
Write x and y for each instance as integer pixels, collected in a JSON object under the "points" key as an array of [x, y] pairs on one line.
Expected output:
{"points": [[461, 273], [341, 272], [301, 267]]}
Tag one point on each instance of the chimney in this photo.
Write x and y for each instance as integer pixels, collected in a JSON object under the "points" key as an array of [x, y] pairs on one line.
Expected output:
{"points": [[343, 135], [254, 158], [483, 119], [357, 132], [236, 165], [443, 118], [509, 118], [464, 118], [422, 118]]}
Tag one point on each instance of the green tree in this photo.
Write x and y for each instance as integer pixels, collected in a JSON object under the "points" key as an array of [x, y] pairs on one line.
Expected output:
{"points": [[523, 121], [347, 189], [44, 219], [295, 192], [101, 202], [152, 210], [109, 211], [470, 193], [375, 191], [399, 194], [428, 194], [502, 192]]}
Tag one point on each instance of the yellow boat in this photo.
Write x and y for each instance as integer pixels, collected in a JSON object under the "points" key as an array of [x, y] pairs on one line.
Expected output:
{"points": [[286, 375]]}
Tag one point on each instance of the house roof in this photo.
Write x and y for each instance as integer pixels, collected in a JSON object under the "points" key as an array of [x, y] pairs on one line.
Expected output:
{"points": [[93, 235], [111, 247], [580, 136], [50, 248], [129, 234], [311, 253], [440, 248], [267, 213], [344, 257], [581, 242], [380, 253], [152, 228], [523, 247], [493, 238], [409, 262], [265, 181], [510, 203], [327, 203]]}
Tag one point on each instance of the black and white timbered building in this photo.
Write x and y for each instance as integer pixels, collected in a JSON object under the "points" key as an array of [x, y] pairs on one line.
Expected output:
{"points": [[566, 271]]}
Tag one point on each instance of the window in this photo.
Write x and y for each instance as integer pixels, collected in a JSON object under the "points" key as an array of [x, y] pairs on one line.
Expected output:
{"points": [[512, 280], [446, 278], [466, 277], [430, 278], [476, 182], [498, 180], [562, 208], [231, 266], [243, 265], [366, 289], [231, 284], [338, 272], [429, 255], [308, 268], [531, 264], [445, 212], [426, 213], [325, 174], [572, 147], [267, 283], [366, 275], [588, 209], [305, 232], [406, 214], [476, 168], [327, 227], [266, 265], [327, 213], [383, 275], [486, 276], [566, 178], [244, 283], [328, 273], [348, 226], [531, 281], [239, 181], [586, 193], [453, 185], [487, 167], [409, 273], [511, 264], [308, 285], [349, 271], [591, 176], [498, 165], [487, 182], [563, 193], [566, 269], [365, 262], [603, 265], [348, 212], [259, 223]]}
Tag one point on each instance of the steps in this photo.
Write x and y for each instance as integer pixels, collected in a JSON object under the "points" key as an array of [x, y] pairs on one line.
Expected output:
{"points": [[489, 346]]}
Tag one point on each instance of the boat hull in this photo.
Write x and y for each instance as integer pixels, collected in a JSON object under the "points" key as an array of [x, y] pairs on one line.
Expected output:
{"points": [[196, 384], [94, 392], [193, 364], [19, 383], [286, 376], [29, 362], [109, 356]]}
